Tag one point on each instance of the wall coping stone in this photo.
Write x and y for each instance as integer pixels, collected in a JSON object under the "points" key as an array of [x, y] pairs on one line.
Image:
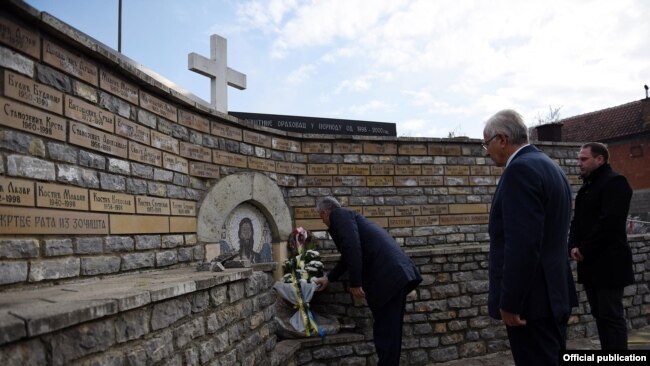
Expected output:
{"points": [[35, 312]]}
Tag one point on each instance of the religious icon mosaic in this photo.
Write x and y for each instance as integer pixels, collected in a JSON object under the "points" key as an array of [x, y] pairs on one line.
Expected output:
{"points": [[247, 232]]}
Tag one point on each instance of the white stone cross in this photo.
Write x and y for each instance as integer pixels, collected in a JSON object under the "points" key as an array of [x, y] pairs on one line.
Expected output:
{"points": [[216, 68]]}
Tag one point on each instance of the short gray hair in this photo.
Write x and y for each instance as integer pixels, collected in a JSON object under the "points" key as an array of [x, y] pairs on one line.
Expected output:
{"points": [[510, 123], [327, 203]]}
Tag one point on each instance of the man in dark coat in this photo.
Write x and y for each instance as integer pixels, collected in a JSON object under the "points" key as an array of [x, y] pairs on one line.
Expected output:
{"points": [[378, 271], [530, 284], [598, 243]]}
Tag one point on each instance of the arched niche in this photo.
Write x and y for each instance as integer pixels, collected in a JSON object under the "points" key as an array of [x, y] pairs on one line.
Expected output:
{"points": [[230, 201]]}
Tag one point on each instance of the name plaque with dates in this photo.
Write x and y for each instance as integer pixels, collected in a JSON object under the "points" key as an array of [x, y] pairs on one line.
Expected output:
{"points": [[347, 148], [426, 220], [315, 182], [434, 209], [81, 111], [463, 219], [382, 169], [183, 208], [379, 148], [306, 213], [230, 159], [378, 211], [94, 139], [19, 37], [354, 169], [132, 130], [117, 86], [257, 139], [158, 106], [261, 164], [175, 163], [24, 118], [229, 132], [65, 60], [194, 121], [317, 147], [111, 202], [286, 145], [413, 150], [144, 154], [28, 91], [164, 142], [322, 169], [152, 205], [196, 152], [408, 170], [16, 192], [349, 181], [290, 168], [60, 196], [204, 170]]}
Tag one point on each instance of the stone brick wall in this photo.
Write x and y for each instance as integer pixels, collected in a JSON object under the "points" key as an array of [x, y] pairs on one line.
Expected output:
{"points": [[104, 169], [223, 319]]}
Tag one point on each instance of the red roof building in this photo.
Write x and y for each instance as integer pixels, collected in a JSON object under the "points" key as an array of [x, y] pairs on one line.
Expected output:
{"points": [[626, 131]]}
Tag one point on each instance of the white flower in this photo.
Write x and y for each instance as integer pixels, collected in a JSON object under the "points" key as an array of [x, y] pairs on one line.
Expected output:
{"points": [[304, 274]]}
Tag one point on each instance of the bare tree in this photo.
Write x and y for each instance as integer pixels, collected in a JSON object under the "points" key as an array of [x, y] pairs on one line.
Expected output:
{"points": [[456, 132], [553, 115]]}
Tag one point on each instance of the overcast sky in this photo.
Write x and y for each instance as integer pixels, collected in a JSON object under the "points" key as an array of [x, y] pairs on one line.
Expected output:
{"points": [[433, 67]]}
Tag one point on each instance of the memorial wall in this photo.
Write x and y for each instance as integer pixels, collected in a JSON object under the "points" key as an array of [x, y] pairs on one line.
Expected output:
{"points": [[104, 168]]}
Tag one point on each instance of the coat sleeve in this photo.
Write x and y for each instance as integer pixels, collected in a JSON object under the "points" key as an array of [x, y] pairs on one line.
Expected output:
{"points": [[337, 271], [523, 222], [614, 206], [349, 245]]}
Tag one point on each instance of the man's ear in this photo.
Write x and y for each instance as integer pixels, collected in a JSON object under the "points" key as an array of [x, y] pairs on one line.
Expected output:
{"points": [[503, 139]]}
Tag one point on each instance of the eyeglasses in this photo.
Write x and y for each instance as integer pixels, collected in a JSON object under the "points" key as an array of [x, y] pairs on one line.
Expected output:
{"points": [[487, 143]]}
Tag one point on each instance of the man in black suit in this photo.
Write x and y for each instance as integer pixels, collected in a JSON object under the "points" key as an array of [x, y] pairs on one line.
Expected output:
{"points": [[530, 284], [598, 243], [378, 271]]}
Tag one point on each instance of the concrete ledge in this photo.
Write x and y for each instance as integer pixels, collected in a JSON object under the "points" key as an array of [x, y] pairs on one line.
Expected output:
{"points": [[36, 312]]}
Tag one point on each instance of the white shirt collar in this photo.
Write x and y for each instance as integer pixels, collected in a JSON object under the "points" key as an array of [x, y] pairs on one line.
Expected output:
{"points": [[515, 154]]}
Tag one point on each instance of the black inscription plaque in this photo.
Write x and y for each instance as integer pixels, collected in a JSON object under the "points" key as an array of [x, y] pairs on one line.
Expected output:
{"points": [[315, 125]]}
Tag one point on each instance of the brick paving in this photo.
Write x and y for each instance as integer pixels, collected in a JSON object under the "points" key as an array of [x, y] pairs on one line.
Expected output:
{"points": [[637, 339]]}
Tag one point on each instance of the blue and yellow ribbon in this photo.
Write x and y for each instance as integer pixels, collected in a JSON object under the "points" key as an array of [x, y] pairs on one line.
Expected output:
{"points": [[305, 313]]}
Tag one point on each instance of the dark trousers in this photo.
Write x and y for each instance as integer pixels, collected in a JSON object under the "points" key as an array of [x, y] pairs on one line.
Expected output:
{"points": [[539, 342], [607, 308], [387, 329]]}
